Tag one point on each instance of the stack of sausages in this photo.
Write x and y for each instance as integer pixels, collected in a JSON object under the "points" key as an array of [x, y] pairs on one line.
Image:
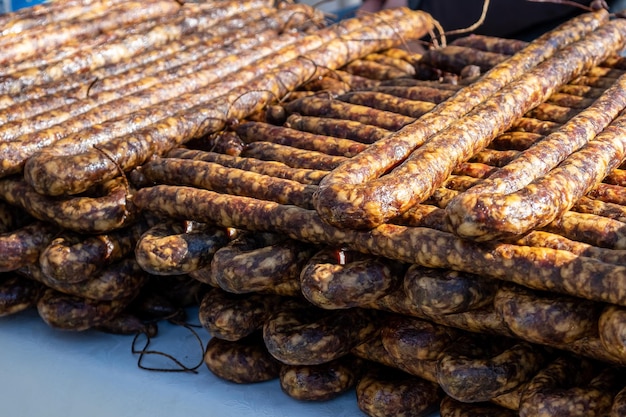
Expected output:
{"points": [[437, 231], [504, 323]]}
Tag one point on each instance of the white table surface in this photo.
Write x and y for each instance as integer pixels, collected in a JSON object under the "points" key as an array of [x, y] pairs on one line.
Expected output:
{"points": [[48, 372]]}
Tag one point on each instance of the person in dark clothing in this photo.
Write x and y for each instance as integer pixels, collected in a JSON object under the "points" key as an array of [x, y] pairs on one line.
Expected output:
{"points": [[513, 19]]}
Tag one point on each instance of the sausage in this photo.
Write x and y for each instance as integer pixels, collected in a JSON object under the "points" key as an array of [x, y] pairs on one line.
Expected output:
{"points": [[338, 128], [271, 168], [516, 140], [72, 257], [567, 387], [491, 44], [384, 198], [554, 241], [385, 391], [396, 58], [328, 282], [311, 336], [69, 312], [176, 248], [409, 339], [540, 268], [552, 112], [232, 317], [264, 132], [17, 294], [528, 124], [494, 158], [212, 176], [22, 246], [84, 214], [320, 382], [441, 291], [454, 57], [388, 102], [546, 319], [474, 372], [244, 361], [121, 280], [293, 157], [374, 70], [570, 100], [260, 262], [589, 228], [335, 109], [424, 93]]}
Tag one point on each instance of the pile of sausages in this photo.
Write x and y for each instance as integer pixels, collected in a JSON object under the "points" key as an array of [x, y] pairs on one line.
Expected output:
{"points": [[442, 230]]}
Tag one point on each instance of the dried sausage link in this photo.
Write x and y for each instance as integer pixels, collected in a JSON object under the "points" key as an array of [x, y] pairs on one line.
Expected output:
{"points": [[434, 95], [271, 168], [552, 113], [441, 291], [260, 262], [320, 382], [22, 246], [73, 257], [516, 140], [409, 339], [403, 64], [282, 135], [473, 371], [388, 102], [17, 294], [351, 197], [311, 336], [176, 248], [374, 70], [232, 317], [546, 319], [80, 214], [385, 391], [293, 157], [454, 57], [527, 124], [568, 387], [338, 128], [243, 361], [69, 312], [493, 44], [329, 282], [335, 109], [122, 279]]}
